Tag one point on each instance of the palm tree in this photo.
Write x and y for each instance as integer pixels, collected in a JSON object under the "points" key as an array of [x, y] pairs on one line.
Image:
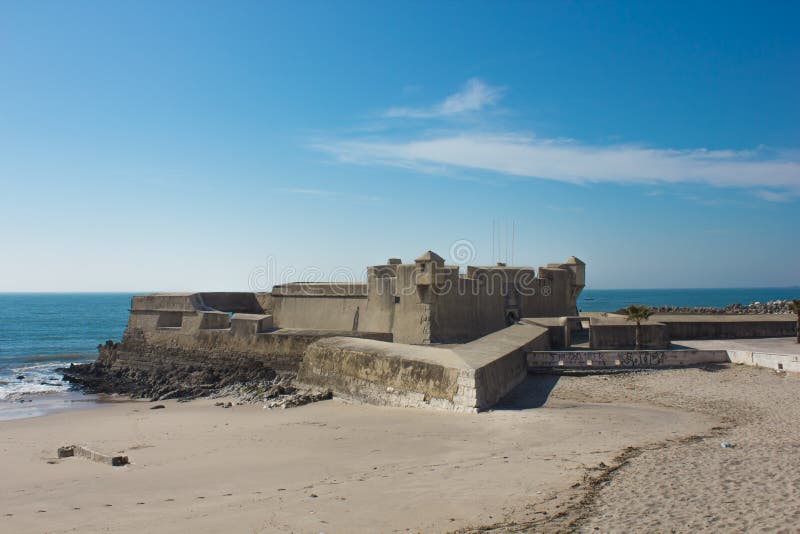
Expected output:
{"points": [[795, 306], [637, 313]]}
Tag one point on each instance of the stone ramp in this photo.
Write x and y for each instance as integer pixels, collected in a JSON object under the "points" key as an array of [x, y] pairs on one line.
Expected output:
{"points": [[463, 378]]}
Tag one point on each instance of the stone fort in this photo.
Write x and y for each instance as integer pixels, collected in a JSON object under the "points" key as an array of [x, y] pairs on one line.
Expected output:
{"points": [[422, 334]]}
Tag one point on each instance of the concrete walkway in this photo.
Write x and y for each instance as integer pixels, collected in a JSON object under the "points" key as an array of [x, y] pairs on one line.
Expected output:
{"points": [[771, 345]]}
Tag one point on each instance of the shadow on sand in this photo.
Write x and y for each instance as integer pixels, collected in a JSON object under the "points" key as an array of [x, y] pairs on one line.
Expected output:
{"points": [[713, 367], [533, 392]]}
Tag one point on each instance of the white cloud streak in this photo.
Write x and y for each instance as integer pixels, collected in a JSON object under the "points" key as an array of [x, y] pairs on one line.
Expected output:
{"points": [[324, 193], [474, 96], [772, 196], [775, 176]]}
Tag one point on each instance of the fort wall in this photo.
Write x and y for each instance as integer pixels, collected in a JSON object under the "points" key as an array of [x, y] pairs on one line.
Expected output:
{"points": [[430, 302], [778, 362], [325, 313], [727, 326], [617, 333], [465, 378]]}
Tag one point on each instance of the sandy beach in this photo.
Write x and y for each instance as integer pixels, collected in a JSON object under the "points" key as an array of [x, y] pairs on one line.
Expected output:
{"points": [[627, 452]]}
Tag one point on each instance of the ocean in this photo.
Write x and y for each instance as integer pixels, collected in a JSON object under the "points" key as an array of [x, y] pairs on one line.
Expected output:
{"points": [[614, 299], [40, 332]]}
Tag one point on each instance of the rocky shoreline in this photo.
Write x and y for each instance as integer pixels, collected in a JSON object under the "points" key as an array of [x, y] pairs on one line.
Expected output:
{"points": [[279, 393], [249, 383], [754, 308]]}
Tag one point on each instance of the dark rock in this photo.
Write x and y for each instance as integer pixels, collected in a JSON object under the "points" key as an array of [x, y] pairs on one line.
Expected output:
{"points": [[20, 377], [139, 369]]}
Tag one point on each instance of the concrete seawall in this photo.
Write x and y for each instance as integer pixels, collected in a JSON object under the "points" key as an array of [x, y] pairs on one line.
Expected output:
{"points": [[727, 326], [383, 373], [179, 362], [613, 359], [463, 378], [756, 353], [779, 362]]}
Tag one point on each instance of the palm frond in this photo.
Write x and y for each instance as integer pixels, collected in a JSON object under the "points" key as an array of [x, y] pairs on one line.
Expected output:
{"points": [[637, 312]]}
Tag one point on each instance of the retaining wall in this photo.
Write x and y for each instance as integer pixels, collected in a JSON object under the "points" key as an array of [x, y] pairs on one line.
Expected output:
{"points": [[389, 374], [613, 333], [612, 359], [498, 360], [781, 362], [727, 326], [465, 378]]}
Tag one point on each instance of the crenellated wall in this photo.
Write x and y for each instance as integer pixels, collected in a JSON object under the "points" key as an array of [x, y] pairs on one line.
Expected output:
{"points": [[430, 302]]}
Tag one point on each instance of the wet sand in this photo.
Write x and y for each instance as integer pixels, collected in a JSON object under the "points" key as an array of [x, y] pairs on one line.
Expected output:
{"points": [[39, 404]]}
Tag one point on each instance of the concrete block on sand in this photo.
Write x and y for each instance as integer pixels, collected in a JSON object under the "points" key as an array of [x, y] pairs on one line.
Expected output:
{"points": [[83, 452]]}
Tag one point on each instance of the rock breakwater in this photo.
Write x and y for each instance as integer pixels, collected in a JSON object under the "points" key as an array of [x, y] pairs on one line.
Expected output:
{"points": [[754, 308]]}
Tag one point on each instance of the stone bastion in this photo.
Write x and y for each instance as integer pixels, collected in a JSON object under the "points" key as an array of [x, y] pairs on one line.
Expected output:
{"points": [[418, 335]]}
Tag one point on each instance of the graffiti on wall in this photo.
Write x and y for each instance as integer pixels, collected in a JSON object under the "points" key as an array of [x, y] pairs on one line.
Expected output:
{"points": [[633, 359]]}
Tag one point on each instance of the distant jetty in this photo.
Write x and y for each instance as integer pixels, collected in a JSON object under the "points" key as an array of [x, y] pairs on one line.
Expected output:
{"points": [[754, 308]]}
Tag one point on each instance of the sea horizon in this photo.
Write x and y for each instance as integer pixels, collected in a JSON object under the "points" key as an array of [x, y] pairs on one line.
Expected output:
{"points": [[150, 292]]}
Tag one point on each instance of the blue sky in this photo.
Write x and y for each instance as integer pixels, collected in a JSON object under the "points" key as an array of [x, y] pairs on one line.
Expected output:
{"points": [[211, 145]]}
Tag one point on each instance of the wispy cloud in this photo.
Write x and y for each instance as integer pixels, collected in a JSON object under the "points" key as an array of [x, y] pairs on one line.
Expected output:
{"points": [[473, 96], [774, 175], [326, 193], [310, 192], [773, 196], [770, 175]]}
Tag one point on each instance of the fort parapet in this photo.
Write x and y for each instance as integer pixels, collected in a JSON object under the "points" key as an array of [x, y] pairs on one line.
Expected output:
{"points": [[430, 302]]}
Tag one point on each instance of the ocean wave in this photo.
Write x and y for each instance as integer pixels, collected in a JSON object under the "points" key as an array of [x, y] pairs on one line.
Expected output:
{"points": [[38, 367], [16, 392], [37, 379], [43, 358]]}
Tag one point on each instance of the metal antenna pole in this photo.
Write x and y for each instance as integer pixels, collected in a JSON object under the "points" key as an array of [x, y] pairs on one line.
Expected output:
{"points": [[513, 229], [505, 259], [498, 242], [492, 241]]}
